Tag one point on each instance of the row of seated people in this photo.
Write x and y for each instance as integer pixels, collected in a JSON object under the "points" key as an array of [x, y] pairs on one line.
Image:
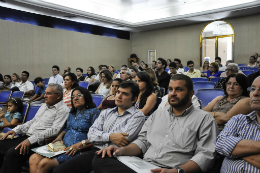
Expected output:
{"points": [[179, 137]]}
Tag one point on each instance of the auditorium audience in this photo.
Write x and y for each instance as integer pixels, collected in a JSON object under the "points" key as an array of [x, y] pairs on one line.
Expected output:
{"points": [[106, 80], [7, 82], [38, 98], [75, 133], [56, 78], [47, 122], [66, 71], [162, 76], [168, 63], [156, 87], [118, 126], [218, 61], [90, 74], [153, 65], [70, 82], [15, 80], [231, 69], [205, 66], [25, 85], [13, 114], [125, 74], [180, 139], [111, 68], [178, 66], [192, 73], [252, 62], [134, 70], [97, 78], [235, 101], [252, 77], [239, 141], [173, 68], [146, 99], [80, 76], [213, 71], [109, 100], [224, 74]]}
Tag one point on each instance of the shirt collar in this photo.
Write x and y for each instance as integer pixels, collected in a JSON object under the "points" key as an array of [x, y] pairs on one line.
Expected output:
{"points": [[184, 113], [129, 110], [57, 105], [251, 117], [194, 71]]}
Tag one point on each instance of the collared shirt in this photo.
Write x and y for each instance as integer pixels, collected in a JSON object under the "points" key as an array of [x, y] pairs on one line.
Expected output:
{"points": [[195, 74], [26, 86], [109, 121], [56, 79], [237, 128], [168, 140], [46, 123], [16, 84], [179, 71], [222, 68], [41, 90]]}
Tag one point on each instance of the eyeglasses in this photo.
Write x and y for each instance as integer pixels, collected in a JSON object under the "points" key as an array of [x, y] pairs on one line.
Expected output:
{"points": [[77, 96], [49, 93], [235, 84], [254, 88]]}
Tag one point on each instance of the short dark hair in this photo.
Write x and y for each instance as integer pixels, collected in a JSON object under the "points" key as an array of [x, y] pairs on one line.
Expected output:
{"points": [[37, 80], [18, 103], [57, 67], [124, 66], [241, 80], [176, 59], [100, 67], [218, 58], [133, 56], [118, 80], [173, 64], [187, 79], [132, 61], [163, 62], [73, 78], [105, 66], [87, 97], [134, 89], [8, 77], [253, 57], [80, 69], [190, 62], [26, 72]]}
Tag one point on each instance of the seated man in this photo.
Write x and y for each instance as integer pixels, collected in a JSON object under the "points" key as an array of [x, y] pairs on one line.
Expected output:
{"points": [[38, 98], [179, 69], [118, 126], [125, 74], [47, 122], [172, 67], [163, 78], [192, 73], [56, 78], [25, 85], [7, 82], [180, 139], [239, 141]]}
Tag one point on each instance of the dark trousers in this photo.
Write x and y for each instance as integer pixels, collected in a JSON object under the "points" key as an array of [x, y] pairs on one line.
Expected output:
{"points": [[79, 164], [109, 165], [10, 158]]}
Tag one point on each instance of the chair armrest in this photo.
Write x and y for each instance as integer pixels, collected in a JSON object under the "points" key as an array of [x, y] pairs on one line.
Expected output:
{"points": [[10, 126], [49, 140], [85, 148]]}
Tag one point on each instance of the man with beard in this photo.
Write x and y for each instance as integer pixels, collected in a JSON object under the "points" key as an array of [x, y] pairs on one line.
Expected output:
{"points": [[178, 140], [240, 139]]}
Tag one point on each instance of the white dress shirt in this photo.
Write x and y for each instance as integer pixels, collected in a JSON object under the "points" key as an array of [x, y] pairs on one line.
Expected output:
{"points": [[179, 71], [56, 79], [27, 86]]}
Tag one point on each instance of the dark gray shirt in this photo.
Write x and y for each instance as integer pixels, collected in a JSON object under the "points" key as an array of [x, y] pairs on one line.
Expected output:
{"points": [[169, 141]]}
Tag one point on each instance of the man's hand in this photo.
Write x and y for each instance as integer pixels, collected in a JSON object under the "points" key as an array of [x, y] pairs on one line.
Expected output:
{"points": [[71, 150], [25, 147], [163, 170], [119, 139], [116, 151], [9, 133]]}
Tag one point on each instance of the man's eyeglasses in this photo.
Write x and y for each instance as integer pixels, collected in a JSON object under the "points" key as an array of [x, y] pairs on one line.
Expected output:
{"points": [[49, 93], [77, 96]]}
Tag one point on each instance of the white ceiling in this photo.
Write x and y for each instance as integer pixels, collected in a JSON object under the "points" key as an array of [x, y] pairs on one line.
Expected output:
{"points": [[138, 15]]}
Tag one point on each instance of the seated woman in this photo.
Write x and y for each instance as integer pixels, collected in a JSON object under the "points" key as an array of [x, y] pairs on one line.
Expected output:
{"points": [[252, 62], [14, 112], [235, 101], [146, 99], [212, 72], [134, 70], [106, 80], [205, 67], [111, 68], [70, 82], [90, 74], [75, 134], [153, 77], [15, 80], [109, 100]]}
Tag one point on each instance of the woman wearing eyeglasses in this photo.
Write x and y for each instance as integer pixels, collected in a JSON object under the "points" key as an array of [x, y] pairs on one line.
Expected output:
{"points": [[234, 102], [75, 134]]}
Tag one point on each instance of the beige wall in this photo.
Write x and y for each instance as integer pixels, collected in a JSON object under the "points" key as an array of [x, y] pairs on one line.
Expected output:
{"points": [[183, 42], [36, 49]]}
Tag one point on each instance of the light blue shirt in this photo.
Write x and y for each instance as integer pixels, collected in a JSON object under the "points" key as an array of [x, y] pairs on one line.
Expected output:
{"points": [[9, 117]]}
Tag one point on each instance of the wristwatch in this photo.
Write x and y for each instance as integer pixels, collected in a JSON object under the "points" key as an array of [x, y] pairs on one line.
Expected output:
{"points": [[83, 142], [179, 169]]}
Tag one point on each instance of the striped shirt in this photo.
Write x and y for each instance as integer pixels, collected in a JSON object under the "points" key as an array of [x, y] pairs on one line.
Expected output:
{"points": [[109, 121], [237, 128], [47, 122], [67, 98]]}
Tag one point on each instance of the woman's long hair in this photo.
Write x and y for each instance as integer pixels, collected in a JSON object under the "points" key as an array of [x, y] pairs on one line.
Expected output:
{"points": [[73, 78], [92, 72], [108, 75]]}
